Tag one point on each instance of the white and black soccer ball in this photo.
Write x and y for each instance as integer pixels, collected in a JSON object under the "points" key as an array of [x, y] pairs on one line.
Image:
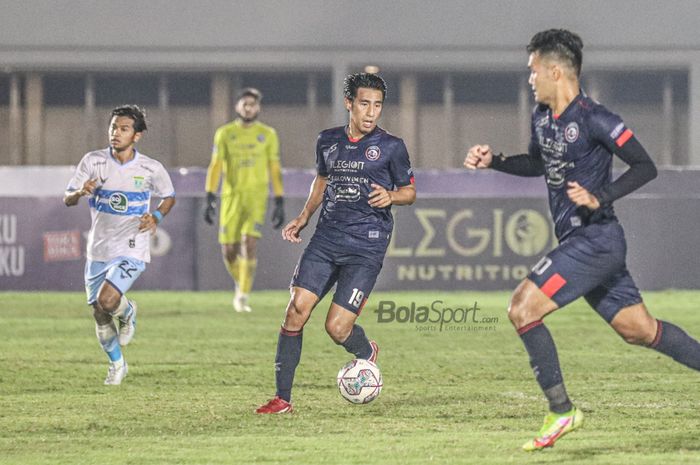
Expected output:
{"points": [[359, 381]]}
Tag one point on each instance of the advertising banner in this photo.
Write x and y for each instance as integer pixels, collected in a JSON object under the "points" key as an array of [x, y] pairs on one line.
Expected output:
{"points": [[438, 243]]}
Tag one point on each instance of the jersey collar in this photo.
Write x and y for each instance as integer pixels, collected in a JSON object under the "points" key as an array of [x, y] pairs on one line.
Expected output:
{"points": [[572, 104], [363, 138], [111, 156]]}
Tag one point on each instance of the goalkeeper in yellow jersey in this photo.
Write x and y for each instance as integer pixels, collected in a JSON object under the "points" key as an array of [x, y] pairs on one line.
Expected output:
{"points": [[246, 152]]}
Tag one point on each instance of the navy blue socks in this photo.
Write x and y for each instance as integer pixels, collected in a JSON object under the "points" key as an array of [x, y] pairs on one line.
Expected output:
{"points": [[673, 341], [357, 343], [286, 361], [545, 364]]}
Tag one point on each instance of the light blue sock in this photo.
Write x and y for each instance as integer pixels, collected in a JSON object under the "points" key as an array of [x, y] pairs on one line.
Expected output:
{"points": [[108, 337]]}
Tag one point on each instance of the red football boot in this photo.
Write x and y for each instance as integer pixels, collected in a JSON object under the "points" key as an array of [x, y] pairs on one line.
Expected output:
{"points": [[276, 405], [375, 351]]}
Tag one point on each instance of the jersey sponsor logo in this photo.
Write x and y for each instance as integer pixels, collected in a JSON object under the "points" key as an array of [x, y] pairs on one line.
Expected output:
{"points": [[556, 171], [103, 180], [571, 132], [346, 165], [551, 146], [246, 162], [138, 182], [544, 121], [350, 147], [348, 179], [373, 153], [347, 192], [118, 202]]}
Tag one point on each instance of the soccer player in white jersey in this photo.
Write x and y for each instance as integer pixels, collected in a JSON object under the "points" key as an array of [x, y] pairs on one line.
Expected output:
{"points": [[118, 182]]}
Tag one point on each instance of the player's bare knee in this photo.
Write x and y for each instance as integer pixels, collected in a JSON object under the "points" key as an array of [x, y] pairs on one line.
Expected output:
{"points": [[519, 313], [108, 302], [230, 252], [229, 255], [101, 316], [296, 315]]}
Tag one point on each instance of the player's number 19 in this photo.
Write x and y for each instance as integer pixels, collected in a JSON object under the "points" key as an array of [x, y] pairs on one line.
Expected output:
{"points": [[356, 297]]}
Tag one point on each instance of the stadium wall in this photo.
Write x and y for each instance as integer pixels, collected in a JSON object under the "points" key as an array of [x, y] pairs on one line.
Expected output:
{"points": [[643, 48], [472, 231]]}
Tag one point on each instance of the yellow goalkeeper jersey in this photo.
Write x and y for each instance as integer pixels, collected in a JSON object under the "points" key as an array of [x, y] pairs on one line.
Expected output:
{"points": [[245, 153]]}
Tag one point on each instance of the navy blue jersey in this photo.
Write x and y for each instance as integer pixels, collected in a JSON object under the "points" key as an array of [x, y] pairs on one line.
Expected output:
{"points": [[577, 146], [351, 167]]}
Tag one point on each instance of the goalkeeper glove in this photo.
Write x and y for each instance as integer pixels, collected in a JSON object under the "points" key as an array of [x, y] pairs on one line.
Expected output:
{"points": [[278, 213], [210, 209]]}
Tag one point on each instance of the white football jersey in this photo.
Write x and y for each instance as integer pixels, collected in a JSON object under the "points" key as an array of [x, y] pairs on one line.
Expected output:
{"points": [[123, 194]]}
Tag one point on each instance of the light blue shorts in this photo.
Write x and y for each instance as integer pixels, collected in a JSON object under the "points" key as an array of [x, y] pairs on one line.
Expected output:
{"points": [[121, 273]]}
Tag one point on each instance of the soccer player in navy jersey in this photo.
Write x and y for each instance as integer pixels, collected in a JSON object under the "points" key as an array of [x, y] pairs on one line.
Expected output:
{"points": [[572, 143], [361, 172]]}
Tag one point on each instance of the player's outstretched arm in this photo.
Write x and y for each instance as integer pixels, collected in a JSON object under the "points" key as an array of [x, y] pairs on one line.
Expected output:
{"points": [[524, 164], [291, 231], [72, 197], [478, 157]]}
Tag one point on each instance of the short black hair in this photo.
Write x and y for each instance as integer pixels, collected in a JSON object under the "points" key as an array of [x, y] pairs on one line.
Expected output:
{"points": [[357, 80], [564, 45], [250, 92], [135, 113]]}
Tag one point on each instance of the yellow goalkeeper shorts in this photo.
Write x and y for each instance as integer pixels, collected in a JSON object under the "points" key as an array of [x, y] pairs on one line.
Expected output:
{"points": [[242, 214]]}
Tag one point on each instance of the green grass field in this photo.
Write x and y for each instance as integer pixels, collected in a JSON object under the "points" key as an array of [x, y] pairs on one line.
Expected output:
{"points": [[197, 371]]}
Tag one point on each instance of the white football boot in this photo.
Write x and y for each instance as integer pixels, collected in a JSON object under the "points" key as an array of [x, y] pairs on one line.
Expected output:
{"points": [[240, 303], [117, 372]]}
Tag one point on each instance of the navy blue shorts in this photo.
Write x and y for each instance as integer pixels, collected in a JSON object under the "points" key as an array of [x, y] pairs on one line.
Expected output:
{"points": [[320, 267], [589, 263]]}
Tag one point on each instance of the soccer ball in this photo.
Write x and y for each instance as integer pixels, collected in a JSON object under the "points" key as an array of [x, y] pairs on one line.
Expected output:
{"points": [[359, 381]]}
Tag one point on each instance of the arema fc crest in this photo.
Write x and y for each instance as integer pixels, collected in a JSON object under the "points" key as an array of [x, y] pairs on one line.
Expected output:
{"points": [[571, 132], [372, 153]]}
